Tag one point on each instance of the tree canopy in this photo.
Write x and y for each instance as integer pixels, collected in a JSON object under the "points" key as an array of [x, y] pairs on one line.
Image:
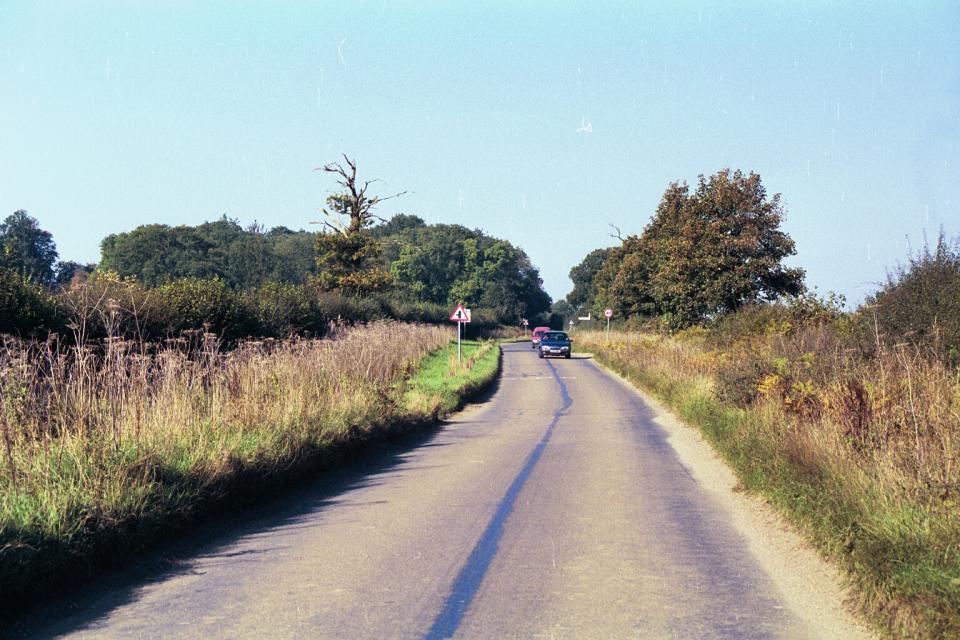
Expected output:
{"points": [[582, 276], [449, 264], [243, 257], [27, 249], [703, 253], [347, 255]]}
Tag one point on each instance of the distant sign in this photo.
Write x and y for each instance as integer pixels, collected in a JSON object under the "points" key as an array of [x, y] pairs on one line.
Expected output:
{"points": [[460, 314], [608, 313], [526, 322]]}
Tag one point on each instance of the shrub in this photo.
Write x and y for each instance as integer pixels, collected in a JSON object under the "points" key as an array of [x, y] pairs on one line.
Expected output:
{"points": [[282, 310], [194, 303], [26, 309], [920, 302]]}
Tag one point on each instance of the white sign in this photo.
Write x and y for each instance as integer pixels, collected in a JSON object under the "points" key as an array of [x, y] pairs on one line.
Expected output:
{"points": [[469, 316], [460, 314], [608, 313], [526, 322]]}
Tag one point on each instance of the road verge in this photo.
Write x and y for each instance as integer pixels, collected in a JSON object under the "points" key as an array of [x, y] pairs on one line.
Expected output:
{"points": [[170, 494]]}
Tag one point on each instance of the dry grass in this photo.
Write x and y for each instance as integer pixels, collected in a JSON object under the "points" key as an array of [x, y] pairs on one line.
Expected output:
{"points": [[862, 452], [102, 444]]}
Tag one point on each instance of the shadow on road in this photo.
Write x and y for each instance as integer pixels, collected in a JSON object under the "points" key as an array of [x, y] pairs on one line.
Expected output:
{"points": [[214, 537]]}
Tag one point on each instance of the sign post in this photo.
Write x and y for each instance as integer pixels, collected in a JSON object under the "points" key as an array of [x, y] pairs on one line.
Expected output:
{"points": [[460, 316], [608, 313], [526, 323]]}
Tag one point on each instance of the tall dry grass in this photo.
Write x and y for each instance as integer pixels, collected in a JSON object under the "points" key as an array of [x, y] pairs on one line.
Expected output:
{"points": [[102, 442], [861, 450]]}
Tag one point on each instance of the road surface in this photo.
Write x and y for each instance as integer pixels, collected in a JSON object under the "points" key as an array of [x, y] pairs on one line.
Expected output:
{"points": [[557, 508]]}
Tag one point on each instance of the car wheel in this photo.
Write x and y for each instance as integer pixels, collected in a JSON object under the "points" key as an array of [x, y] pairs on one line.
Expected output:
{"points": [[567, 356], [541, 355]]}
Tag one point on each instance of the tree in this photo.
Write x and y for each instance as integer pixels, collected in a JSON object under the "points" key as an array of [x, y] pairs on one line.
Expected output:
{"points": [[27, 249], [703, 253], [347, 254], [70, 272], [243, 258], [582, 276]]}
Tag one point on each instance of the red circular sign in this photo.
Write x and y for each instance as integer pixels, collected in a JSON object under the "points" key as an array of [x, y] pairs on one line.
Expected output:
{"points": [[608, 313]]}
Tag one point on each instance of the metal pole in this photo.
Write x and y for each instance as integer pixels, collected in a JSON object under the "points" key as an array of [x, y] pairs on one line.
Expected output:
{"points": [[459, 352], [608, 329]]}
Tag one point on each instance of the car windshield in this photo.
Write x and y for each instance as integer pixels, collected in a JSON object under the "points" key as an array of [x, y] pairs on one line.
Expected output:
{"points": [[555, 335]]}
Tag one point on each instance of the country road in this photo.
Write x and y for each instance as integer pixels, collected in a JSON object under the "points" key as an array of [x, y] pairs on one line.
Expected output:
{"points": [[557, 508]]}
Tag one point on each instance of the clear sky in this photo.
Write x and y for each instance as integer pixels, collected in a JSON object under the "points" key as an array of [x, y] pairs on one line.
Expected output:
{"points": [[538, 124]]}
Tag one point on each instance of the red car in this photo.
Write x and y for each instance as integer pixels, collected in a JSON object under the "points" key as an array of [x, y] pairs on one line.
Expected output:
{"points": [[537, 334]]}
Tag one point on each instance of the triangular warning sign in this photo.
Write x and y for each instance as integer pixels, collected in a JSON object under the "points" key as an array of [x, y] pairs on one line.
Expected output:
{"points": [[459, 314]]}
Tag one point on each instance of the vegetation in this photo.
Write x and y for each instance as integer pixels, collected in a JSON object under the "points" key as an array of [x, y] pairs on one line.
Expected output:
{"points": [[106, 449], [920, 302], [156, 254], [26, 249], [346, 254], [447, 264], [704, 253], [582, 276]]}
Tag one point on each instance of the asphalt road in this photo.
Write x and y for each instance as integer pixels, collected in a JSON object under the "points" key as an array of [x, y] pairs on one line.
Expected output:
{"points": [[554, 509]]}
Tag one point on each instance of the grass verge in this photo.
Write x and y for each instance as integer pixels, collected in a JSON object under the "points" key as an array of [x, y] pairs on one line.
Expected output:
{"points": [[135, 447], [896, 538]]}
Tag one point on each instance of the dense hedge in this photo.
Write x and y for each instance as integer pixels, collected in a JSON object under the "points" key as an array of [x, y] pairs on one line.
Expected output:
{"points": [[106, 304]]}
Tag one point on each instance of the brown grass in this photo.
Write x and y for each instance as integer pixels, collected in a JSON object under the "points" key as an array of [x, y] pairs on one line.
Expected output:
{"points": [[102, 443]]}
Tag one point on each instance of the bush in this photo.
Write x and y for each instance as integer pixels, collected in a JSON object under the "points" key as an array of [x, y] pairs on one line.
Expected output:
{"points": [[210, 305], [283, 310], [26, 309], [920, 302]]}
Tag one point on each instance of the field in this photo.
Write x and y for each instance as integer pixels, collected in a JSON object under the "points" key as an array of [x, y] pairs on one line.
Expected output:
{"points": [[108, 447], [862, 452]]}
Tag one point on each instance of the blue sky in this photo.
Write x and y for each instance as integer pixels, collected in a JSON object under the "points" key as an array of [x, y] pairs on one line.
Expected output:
{"points": [[507, 118]]}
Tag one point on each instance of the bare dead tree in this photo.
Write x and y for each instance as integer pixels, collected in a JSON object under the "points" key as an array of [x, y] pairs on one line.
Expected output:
{"points": [[352, 202], [619, 234]]}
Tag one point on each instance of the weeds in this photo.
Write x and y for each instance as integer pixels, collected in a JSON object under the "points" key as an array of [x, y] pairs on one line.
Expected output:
{"points": [[106, 446]]}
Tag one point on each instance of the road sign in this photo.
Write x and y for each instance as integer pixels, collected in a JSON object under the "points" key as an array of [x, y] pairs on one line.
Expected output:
{"points": [[469, 315], [526, 322], [608, 313], [460, 314]]}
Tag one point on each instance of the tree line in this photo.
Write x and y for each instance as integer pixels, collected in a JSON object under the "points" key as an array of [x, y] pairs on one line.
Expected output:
{"points": [[717, 249], [240, 281]]}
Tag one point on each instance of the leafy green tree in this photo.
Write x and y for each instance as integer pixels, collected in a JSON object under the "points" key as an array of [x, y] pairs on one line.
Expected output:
{"points": [[243, 258], [157, 253], [704, 253], [431, 259], [582, 276], [27, 249]]}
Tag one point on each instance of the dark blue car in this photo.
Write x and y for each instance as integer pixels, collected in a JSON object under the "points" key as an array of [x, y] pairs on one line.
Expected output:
{"points": [[555, 343]]}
